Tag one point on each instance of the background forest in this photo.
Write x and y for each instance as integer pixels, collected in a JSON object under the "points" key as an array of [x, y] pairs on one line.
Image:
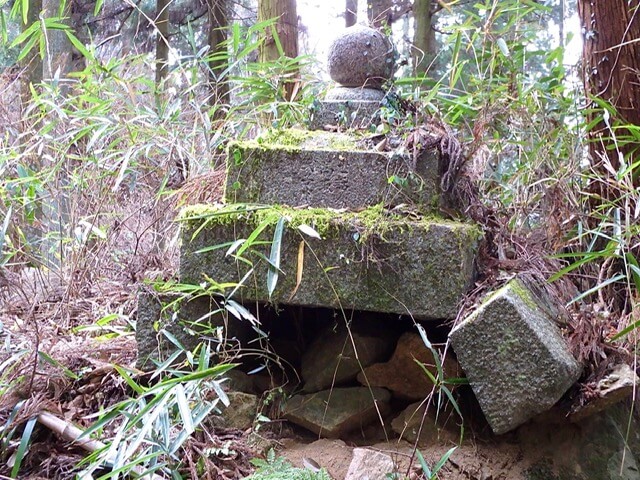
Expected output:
{"points": [[115, 113]]}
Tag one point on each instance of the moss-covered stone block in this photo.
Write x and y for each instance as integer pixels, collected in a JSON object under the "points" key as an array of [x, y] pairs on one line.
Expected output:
{"points": [[185, 319], [514, 356], [322, 169], [367, 260]]}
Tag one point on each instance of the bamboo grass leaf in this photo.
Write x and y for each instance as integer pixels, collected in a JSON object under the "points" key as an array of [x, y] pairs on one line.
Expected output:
{"points": [[274, 257], [22, 448]]}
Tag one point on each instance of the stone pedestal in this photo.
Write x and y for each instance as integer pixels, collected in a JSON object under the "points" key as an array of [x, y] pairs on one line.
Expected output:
{"points": [[361, 60], [328, 170], [365, 260]]}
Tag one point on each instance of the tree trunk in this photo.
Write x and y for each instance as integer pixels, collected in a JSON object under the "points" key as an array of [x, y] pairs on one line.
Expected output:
{"points": [[162, 41], [286, 28], [219, 58], [424, 37], [351, 13], [59, 48], [380, 12], [611, 62], [32, 63]]}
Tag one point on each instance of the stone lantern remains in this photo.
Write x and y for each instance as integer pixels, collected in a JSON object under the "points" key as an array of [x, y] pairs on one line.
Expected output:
{"points": [[361, 61]]}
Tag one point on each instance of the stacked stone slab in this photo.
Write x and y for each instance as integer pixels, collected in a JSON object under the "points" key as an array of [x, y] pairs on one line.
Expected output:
{"points": [[361, 61]]}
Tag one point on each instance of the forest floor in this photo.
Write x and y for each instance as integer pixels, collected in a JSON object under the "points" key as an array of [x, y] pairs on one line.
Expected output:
{"points": [[70, 373]]}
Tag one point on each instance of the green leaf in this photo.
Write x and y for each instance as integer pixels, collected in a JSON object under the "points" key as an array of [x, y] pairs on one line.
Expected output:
{"points": [[626, 330], [24, 445], [443, 460], [184, 409], [426, 371], [25, 11], [424, 465], [634, 269], [27, 48], [79, 45], [98, 7], [3, 27], [52, 361], [253, 237], [274, 257], [130, 381], [598, 287]]}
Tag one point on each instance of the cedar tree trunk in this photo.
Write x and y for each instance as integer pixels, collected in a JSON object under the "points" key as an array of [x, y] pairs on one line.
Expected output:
{"points": [[611, 62], [286, 27]]}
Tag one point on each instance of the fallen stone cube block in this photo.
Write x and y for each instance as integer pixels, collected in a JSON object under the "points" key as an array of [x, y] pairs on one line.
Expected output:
{"points": [[514, 356]]}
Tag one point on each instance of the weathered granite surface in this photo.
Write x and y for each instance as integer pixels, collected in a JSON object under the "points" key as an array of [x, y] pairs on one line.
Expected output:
{"points": [[344, 114], [603, 446], [368, 464], [410, 426], [365, 260], [153, 318], [402, 375], [331, 359], [324, 169], [355, 93], [333, 413], [617, 385], [514, 356], [242, 410], [361, 56]]}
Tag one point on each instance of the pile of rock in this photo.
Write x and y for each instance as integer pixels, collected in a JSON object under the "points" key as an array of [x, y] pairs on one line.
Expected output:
{"points": [[339, 360]]}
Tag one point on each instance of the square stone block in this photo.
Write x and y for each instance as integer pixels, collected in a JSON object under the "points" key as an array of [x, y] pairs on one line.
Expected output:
{"points": [[367, 260], [324, 169], [514, 356]]}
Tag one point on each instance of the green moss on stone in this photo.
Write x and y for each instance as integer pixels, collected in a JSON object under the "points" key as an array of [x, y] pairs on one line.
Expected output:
{"points": [[373, 220], [295, 140], [523, 293]]}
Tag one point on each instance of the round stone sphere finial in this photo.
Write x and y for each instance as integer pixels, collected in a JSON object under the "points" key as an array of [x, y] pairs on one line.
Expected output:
{"points": [[361, 57]]}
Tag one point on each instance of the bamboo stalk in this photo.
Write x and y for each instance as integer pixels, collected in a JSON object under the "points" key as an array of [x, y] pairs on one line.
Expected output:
{"points": [[69, 432]]}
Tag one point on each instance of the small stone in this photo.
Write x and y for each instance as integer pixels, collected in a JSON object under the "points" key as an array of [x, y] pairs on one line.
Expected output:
{"points": [[360, 56], [407, 426], [332, 455], [355, 94], [616, 386], [241, 411], [368, 464], [402, 375], [514, 356], [239, 381], [330, 360], [333, 413]]}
